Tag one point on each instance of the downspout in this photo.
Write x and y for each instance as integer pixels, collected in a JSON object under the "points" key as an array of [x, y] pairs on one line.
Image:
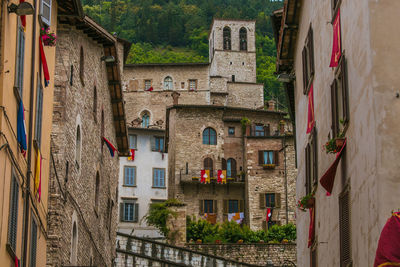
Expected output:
{"points": [[286, 181], [29, 171]]}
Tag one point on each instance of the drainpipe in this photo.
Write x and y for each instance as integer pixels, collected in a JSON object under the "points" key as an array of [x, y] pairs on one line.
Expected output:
{"points": [[286, 181], [29, 171]]}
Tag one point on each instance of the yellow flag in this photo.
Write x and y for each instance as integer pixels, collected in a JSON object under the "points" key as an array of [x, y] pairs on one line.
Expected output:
{"points": [[38, 175], [208, 178]]}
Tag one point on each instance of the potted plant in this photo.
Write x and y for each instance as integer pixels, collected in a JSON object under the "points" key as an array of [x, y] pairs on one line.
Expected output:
{"points": [[306, 202], [48, 38], [335, 144], [198, 241], [240, 241], [269, 166]]}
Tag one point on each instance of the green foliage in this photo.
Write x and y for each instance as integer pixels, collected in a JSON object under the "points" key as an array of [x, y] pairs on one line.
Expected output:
{"points": [[159, 213], [245, 121], [231, 232]]}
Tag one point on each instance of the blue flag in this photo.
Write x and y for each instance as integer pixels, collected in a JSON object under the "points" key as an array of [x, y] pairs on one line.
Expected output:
{"points": [[21, 129]]}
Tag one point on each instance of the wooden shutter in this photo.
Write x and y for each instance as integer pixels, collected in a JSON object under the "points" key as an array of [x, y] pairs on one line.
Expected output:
{"points": [[345, 91], [233, 168], [276, 157], [121, 212], [305, 75], [334, 109], [215, 206], [267, 131], [13, 217], [344, 227], [262, 200], [307, 163], [315, 156], [32, 261], [241, 205], [253, 130], [201, 207], [136, 218], [260, 157], [277, 200], [311, 51], [225, 205], [153, 143], [223, 163]]}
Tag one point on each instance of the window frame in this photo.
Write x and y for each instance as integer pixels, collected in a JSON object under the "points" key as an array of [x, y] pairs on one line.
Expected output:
{"points": [[44, 19], [158, 145], [145, 120], [20, 60], [158, 184], [210, 131], [207, 207], [308, 61], [195, 84], [311, 162], [231, 168], [227, 38], [134, 136], [133, 184], [261, 157], [147, 84], [229, 205], [170, 82], [39, 114], [241, 34], [234, 130], [135, 210], [82, 66]]}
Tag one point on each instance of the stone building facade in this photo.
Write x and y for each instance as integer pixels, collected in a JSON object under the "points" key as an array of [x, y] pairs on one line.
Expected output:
{"points": [[185, 99], [88, 106], [358, 98]]}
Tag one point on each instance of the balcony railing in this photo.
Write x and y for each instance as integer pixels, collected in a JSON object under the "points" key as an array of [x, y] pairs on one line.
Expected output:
{"points": [[195, 175]]}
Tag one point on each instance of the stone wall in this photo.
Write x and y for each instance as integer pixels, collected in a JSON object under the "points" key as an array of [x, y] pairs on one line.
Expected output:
{"points": [[73, 181], [247, 95], [259, 254]]}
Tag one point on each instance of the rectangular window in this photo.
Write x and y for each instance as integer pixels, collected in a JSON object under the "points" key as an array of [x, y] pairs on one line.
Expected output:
{"points": [[233, 206], [158, 144], [13, 216], [344, 228], [39, 112], [192, 85], [208, 206], [231, 131], [311, 160], [159, 178], [130, 176], [45, 11], [32, 261], [259, 130], [268, 157], [19, 66], [339, 99], [132, 141], [270, 200], [129, 211], [147, 84], [182, 85], [308, 61]]}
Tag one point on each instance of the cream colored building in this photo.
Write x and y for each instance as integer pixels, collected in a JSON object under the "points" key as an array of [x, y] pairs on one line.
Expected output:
{"points": [[23, 219], [367, 185]]}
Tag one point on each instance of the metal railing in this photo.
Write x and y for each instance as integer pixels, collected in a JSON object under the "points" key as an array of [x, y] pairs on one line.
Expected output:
{"points": [[195, 175]]}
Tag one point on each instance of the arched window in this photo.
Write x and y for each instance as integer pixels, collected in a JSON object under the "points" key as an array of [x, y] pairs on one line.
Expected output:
{"points": [[74, 243], [78, 142], [168, 83], [145, 120], [96, 196], [95, 101], [227, 38], [209, 136], [208, 165], [243, 39], [231, 168], [82, 66]]}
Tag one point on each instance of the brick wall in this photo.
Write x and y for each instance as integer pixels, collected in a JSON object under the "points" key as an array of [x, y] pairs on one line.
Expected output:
{"points": [[259, 254]]}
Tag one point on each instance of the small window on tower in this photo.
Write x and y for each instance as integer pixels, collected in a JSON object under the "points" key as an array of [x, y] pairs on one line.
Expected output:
{"points": [[231, 131], [192, 85], [182, 85], [147, 84]]}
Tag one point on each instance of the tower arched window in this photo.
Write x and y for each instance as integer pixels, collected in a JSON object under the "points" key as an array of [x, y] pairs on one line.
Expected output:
{"points": [[243, 39], [227, 38], [74, 243], [208, 165], [78, 143], [209, 136], [168, 83], [145, 120], [97, 191], [231, 168]]}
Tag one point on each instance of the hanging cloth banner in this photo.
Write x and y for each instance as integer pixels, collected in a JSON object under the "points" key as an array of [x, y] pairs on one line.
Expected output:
{"points": [[221, 177], [21, 129], [328, 179], [336, 49], [237, 217], [44, 63], [269, 214], [131, 155], [311, 118], [110, 147], [311, 230], [205, 176], [388, 251], [38, 176], [23, 17]]}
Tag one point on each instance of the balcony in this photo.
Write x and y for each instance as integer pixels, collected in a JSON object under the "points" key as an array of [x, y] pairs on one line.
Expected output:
{"points": [[194, 176]]}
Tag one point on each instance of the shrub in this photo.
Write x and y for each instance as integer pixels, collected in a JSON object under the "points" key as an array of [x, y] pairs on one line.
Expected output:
{"points": [[201, 230]]}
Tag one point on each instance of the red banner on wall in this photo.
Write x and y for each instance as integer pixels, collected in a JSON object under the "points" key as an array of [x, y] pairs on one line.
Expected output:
{"points": [[336, 49], [311, 118], [388, 252]]}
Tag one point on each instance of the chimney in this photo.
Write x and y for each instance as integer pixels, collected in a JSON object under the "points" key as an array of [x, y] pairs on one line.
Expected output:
{"points": [[271, 105], [175, 97]]}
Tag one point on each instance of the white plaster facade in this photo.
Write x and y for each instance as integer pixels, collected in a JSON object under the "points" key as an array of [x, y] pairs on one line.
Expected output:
{"points": [[144, 192]]}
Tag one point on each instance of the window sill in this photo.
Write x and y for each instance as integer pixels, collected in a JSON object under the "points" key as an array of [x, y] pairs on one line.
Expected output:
{"points": [[158, 187], [124, 185]]}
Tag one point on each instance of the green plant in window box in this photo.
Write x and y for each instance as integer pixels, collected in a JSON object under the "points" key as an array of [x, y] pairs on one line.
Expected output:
{"points": [[245, 122], [335, 144], [306, 202], [195, 178], [269, 166]]}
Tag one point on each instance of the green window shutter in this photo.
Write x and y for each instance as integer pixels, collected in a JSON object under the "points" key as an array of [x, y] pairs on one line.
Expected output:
{"points": [[260, 157], [262, 200], [277, 200], [121, 212], [136, 218], [241, 205], [276, 157], [225, 206]]}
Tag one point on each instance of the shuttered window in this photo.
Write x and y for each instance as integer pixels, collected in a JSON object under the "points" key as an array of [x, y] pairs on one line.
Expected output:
{"points": [[13, 217], [132, 141], [39, 113], [159, 178], [270, 200], [208, 206], [344, 228], [233, 205], [129, 211], [32, 260], [147, 84], [192, 85], [268, 157], [158, 144], [130, 176], [45, 11], [308, 61], [311, 162], [339, 99], [19, 66]]}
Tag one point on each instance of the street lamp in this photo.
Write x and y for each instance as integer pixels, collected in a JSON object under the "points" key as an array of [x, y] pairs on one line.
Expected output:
{"points": [[22, 9]]}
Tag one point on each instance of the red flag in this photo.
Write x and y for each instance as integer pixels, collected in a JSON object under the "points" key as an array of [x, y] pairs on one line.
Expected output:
{"points": [[388, 251], [311, 230], [336, 49], [23, 17], [327, 180], [269, 214], [202, 175], [311, 118], [150, 89], [219, 178], [44, 63]]}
